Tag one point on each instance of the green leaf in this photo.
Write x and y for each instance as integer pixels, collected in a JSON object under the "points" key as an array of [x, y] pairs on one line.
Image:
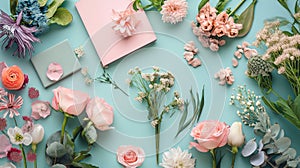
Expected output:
{"points": [[283, 144], [53, 7], [284, 4], [221, 5], [83, 165], [201, 105], [56, 150], [287, 33], [297, 6], [90, 133], [294, 30], [246, 19], [271, 105], [13, 6], [287, 111], [42, 2], [296, 106], [201, 4], [136, 5], [61, 17], [81, 156]]}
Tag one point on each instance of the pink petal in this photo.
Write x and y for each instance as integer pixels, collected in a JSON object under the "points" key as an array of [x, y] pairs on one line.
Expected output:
{"points": [[195, 62], [235, 62], [55, 71]]}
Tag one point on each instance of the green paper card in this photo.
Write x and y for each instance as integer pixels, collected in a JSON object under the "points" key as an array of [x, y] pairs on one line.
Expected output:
{"points": [[62, 54]]}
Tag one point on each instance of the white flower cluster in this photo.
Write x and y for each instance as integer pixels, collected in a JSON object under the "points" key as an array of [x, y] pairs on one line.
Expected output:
{"points": [[249, 103]]}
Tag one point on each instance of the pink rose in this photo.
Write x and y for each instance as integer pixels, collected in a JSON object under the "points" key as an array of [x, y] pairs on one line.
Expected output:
{"points": [[100, 113], [130, 156], [69, 101], [40, 109], [209, 135]]}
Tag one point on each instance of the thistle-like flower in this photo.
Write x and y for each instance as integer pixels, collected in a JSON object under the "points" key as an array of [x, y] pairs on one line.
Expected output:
{"points": [[258, 66], [14, 32]]}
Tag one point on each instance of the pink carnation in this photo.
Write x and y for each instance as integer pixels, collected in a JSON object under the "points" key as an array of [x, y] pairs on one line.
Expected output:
{"points": [[173, 11], [40, 109]]}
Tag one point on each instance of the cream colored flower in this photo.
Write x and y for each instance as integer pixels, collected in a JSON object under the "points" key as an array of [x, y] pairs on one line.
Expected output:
{"points": [[236, 137], [176, 158]]}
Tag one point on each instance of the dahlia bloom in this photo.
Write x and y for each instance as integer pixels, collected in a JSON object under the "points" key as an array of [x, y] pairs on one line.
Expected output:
{"points": [[173, 11]]}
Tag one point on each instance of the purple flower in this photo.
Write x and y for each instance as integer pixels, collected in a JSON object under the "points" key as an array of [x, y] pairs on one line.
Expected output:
{"points": [[14, 32]]}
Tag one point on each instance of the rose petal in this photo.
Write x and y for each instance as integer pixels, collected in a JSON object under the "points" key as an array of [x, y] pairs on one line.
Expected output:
{"points": [[235, 62], [195, 62], [55, 71]]}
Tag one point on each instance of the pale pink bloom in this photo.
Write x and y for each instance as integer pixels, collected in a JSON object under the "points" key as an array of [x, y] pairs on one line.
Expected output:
{"points": [[195, 62], [125, 22], [188, 56], [11, 105], [69, 101], [214, 47], [196, 30], [238, 54], [100, 113], [207, 12], [221, 19], [207, 25], [231, 33], [204, 41], [130, 156], [219, 31], [209, 135], [40, 109], [173, 11], [225, 76], [222, 42], [235, 62], [55, 71], [281, 70], [28, 126], [190, 46], [4, 146]]}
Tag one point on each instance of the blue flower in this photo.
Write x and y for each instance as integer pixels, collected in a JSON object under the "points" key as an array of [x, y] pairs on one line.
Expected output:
{"points": [[33, 15]]}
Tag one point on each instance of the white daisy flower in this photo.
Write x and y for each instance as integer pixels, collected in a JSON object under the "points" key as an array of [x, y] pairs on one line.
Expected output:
{"points": [[17, 137], [176, 158]]}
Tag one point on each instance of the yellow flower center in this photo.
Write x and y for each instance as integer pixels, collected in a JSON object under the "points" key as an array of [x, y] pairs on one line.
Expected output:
{"points": [[18, 137]]}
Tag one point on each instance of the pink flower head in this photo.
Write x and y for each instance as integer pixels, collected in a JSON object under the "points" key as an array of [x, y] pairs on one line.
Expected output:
{"points": [[55, 71], [28, 126], [173, 11], [33, 93], [125, 22], [225, 76], [219, 31], [31, 157], [221, 19], [100, 113], [188, 56], [130, 156], [40, 109], [69, 101], [214, 46], [5, 146], [207, 25], [11, 105], [3, 124], [14, 155], [207, 12], [209, 135]]}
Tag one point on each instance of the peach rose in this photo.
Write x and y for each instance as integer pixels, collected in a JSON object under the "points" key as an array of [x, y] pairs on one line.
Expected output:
{"points": [[100, 113], [130, 156], [13, 78], [209, 135], [69, 101]]}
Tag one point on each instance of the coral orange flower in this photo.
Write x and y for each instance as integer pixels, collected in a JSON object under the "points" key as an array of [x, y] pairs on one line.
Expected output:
{"points": [[13, 78]]}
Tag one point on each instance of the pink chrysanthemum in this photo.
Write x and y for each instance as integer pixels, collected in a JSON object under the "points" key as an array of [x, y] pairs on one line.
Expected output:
{"points": [[14, 155], [11, 105], [173, 11], [31, 157], [33, 93], [125, 22]]}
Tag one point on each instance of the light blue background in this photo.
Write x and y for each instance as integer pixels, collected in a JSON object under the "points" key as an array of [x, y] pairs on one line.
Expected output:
{"points": [[128, 120]]}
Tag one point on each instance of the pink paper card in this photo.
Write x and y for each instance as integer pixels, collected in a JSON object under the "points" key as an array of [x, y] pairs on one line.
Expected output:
{"points": [[110, 46]]}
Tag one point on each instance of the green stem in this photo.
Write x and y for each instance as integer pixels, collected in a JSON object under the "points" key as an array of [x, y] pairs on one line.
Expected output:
{"points": [[214, 160], [33, 147], [24, 156], [234, 151], [117, 87], [157, 137], [4, 133], [15, 121], [62, 136], [237, 7]]}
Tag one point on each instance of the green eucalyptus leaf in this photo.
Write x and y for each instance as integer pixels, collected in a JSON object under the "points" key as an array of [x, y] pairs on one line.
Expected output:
{"points": [[267, 138], [53, 7], [249, 148], [56, 150], [90, 134], [282, 144], [281, 159], [202, 3], [275, 129], [42, 2], [291, 152], [13, 5], [81, 155], [246, 19], [258, 159], [58, 166], [83, 165], [221, 5], [292, 163], [62, 17], [281, 133]]}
